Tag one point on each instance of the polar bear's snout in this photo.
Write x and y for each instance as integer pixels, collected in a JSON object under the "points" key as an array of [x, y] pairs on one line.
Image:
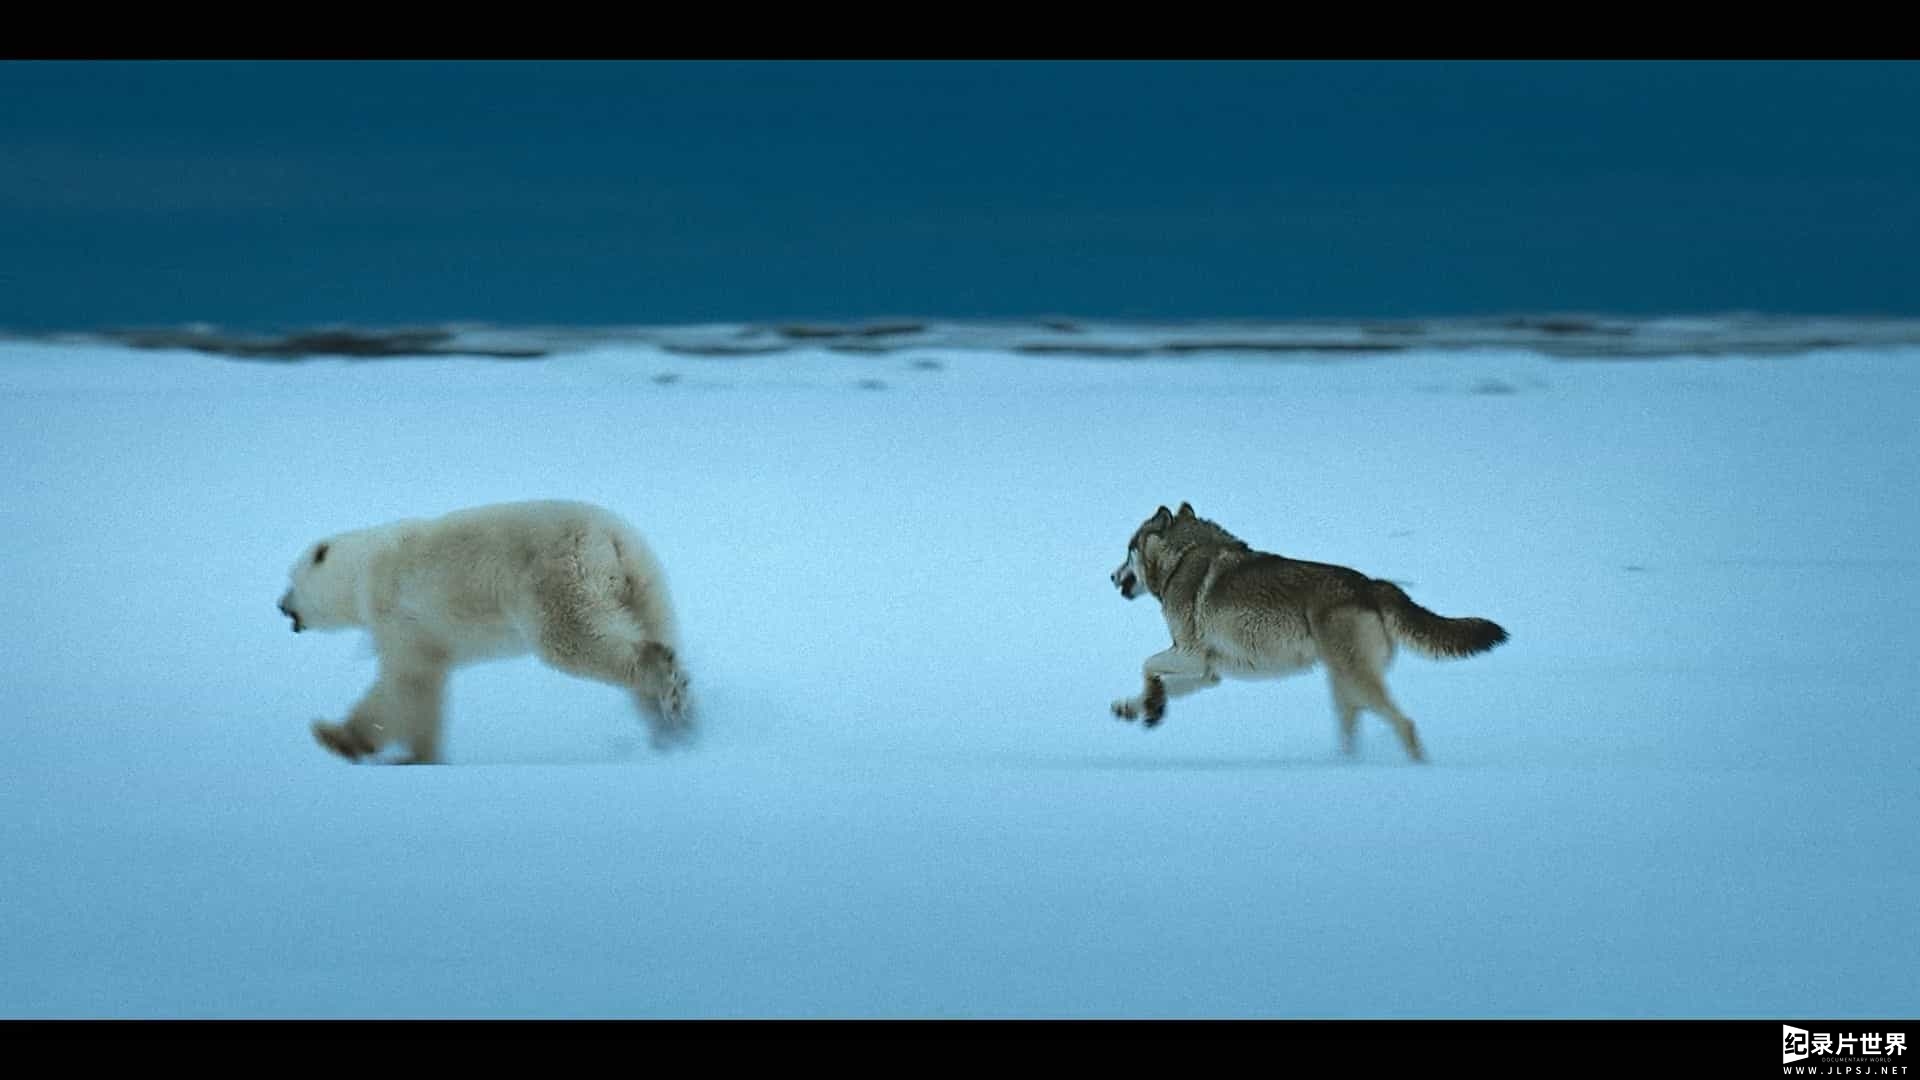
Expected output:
{"points": [[290, 613]]}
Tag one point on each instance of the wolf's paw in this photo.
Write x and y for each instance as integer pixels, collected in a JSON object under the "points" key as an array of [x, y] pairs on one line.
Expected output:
{"points": [[1153, 704], [1126, 709]]}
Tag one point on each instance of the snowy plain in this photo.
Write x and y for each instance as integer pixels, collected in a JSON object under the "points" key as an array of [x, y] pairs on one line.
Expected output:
{"points": [[1686, 787]]}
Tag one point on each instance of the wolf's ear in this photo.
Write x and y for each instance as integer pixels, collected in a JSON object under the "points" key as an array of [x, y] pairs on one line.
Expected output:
{"points": [[1186, 510], [1162, 516]]}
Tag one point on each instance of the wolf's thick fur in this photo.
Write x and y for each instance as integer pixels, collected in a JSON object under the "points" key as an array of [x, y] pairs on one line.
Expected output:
{"points": [[567, 581], [1236, 611]]}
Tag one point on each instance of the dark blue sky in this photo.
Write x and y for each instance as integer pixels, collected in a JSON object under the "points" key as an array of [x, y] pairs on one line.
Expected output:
{"points": [[283, 194]]}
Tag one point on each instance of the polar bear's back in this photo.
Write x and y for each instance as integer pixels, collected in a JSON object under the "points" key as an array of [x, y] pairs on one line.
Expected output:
{"points": [[483, 562], [535, 514], [545, 525]]}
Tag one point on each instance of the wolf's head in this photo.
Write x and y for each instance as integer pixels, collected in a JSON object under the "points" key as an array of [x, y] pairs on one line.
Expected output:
{"points": [[1158, 544]]}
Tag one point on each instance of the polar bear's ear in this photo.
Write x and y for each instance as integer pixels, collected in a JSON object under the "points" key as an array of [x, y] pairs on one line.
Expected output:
{"points": [[319, 554]]}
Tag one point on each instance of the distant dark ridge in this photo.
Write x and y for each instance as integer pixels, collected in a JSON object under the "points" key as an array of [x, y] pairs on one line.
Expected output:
{"points": [[1178, 347], [1182, 348], [1562, 336], [1564, 324], [1077, 348], [865, 330], [370, 344], [720, 349]]}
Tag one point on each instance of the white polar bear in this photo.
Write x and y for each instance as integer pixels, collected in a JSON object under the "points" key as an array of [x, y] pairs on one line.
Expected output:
{"points": [[567, 581]]}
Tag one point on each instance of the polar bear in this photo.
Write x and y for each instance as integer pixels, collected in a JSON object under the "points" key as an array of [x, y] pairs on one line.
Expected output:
{"points": [[567, 581]]}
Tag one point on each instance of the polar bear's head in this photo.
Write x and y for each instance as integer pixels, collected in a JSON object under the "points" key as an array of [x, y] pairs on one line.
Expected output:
{"points": [[325, 584]]}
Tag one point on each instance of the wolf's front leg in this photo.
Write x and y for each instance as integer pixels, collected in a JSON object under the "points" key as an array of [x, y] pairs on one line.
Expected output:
{"points": [[1170, 674]]}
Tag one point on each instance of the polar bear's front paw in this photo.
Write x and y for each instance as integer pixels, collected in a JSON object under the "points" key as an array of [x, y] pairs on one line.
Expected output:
{"points": [[341, 739]]}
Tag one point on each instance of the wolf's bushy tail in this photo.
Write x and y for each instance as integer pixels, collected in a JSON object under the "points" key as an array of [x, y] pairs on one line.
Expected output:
{"points": [[1429, 634]]}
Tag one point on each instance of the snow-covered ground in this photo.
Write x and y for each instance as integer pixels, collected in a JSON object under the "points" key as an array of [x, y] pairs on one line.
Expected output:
{"points": [[1687, 786]]}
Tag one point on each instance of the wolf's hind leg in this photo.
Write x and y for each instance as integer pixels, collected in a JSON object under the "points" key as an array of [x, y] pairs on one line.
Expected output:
{"points": [[1354, 646], [1169, 674], [1349, 714], [1346, 706]]}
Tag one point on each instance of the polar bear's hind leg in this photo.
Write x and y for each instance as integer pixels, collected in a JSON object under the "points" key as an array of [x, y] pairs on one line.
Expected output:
{"points": [[611, 650]]}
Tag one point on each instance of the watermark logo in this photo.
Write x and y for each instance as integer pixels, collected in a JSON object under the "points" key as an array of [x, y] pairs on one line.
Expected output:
{"points": [[1852, 1052], [1795, 1044]]}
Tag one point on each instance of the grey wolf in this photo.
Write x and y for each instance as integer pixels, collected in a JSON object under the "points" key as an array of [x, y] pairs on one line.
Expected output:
{"points": [[1251, 614]]}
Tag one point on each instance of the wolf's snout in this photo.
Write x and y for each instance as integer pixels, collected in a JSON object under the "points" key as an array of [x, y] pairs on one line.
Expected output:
{"points": [[1124, 580]]}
